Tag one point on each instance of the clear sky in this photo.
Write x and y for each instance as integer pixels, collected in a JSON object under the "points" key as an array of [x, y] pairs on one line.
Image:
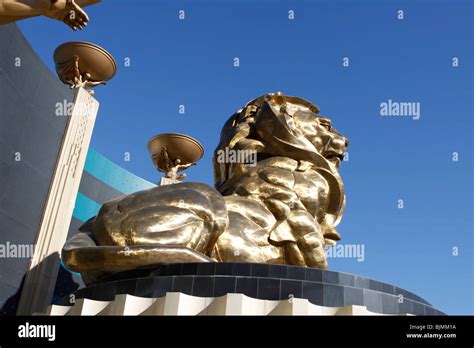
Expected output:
{"points": [[191, 62]]}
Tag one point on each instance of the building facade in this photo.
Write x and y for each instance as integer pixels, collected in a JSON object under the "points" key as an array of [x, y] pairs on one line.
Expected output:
{"points": [[33, 136]]}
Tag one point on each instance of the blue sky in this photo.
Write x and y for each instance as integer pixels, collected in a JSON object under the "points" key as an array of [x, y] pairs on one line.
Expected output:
{"points": [[190, 62]]}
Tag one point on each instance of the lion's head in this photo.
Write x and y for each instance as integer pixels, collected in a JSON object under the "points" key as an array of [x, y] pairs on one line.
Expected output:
{"points": [[278, 125]]}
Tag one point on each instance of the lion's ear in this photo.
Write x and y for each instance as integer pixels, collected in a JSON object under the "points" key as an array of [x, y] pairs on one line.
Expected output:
{"points": [[282, 139], [272, 126]]}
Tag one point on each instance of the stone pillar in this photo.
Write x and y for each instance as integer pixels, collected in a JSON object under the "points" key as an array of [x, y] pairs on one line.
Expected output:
{"points": [[39, 281]]}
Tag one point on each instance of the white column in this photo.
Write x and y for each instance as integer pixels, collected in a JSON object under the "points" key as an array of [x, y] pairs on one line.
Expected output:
{"points": [[39, 282]]}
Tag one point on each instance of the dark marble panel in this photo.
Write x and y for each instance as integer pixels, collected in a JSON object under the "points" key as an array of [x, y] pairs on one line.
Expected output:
{"points": [[387, 288], [105, 292], [333, 295], [247, 286], [405, 306], [159, 271], [330, 277], [313, 292], [361, 282], [375, 285], [373, 300], [223, 268], [346, 279], [353, 296], [389, 304], [291, 289], [173, 269], [224, 285], [268, 288], [260, 270], [419, 299], [145, 287], [242, 269], [294, 272], [314, 275], [162, 285], [418, 308], [183, 284], [411, 295], [189, 269], [203, 286], [126, 286], [430, 310], [275, 271], [206, 268]]}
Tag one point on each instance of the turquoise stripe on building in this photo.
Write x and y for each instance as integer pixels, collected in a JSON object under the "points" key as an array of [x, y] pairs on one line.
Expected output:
{"points": [[110, 174], [113, 175], [85, 208]]}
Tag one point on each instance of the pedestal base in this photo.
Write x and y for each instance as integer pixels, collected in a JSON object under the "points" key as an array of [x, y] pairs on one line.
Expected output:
{"points": [[259, 281]]}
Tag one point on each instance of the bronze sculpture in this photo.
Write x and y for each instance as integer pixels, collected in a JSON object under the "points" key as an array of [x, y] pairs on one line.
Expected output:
{"points": [[68, 11], [84, 64], [172, 153], [284, 208]]}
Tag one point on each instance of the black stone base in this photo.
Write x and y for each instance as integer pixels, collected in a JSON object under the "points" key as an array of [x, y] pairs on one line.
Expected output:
{"points": [[262, 281]]}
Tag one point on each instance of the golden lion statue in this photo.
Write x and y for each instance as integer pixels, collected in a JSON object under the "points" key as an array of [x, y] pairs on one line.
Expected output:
{"points": [[278, 198]]}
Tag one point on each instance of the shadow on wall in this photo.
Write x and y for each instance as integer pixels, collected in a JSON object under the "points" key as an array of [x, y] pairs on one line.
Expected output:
{"points": [[10, 305], [65, 285]]}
